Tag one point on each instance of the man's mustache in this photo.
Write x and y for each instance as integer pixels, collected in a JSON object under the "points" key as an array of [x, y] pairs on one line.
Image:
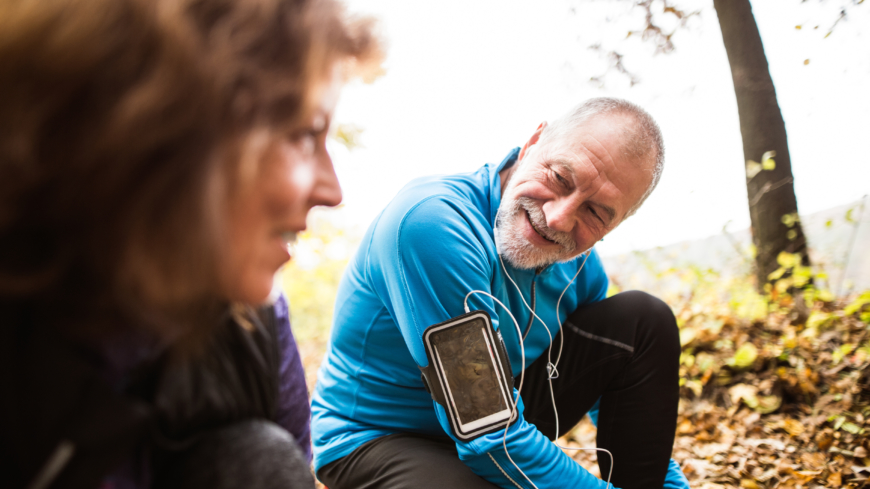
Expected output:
{"points": [[536, 216]]}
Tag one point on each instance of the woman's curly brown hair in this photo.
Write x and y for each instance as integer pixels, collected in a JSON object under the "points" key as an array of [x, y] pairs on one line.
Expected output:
{"points": [[122, 129]]}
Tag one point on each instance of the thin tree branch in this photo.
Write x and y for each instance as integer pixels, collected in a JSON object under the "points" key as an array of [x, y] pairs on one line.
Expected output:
{"points": [[767, 187]]}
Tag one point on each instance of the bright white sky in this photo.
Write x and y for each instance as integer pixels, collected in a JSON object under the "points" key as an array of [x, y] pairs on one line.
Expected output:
{"points": [[467, 81]]}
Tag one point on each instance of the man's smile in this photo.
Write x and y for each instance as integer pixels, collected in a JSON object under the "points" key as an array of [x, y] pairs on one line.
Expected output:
{"points": [[532, 223]]}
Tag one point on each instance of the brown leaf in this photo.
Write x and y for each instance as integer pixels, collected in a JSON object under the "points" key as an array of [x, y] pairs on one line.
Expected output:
{"points": [[793, 427], [804, 476], [813, 460], [824, 439], [686, 427], [835, 480]]}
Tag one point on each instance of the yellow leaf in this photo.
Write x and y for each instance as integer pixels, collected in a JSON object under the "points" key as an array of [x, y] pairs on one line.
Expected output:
{"points": [[749, 484], [776, 274], [788, 260], [768, 404], [818, 318], [793, 427], [806, 62], [767, 162], [752, 168], [805, 476], [745, 355], [687, 335]]}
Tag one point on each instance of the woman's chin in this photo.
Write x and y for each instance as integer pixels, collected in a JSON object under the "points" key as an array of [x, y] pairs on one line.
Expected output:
{"points": [[255, 290]]}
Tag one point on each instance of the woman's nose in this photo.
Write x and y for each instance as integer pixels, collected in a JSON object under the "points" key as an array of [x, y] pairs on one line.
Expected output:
{"points": [[327, 190]]}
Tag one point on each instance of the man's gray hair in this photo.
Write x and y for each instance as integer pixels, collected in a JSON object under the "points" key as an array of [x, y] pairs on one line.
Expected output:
{"points": [[643, 138]]}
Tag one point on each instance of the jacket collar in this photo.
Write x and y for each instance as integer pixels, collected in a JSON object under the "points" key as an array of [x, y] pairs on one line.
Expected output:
{"points": [[495, 182]]}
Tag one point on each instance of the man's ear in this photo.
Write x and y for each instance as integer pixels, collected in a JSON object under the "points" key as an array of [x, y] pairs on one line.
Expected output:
{"points": [[532, 140]]}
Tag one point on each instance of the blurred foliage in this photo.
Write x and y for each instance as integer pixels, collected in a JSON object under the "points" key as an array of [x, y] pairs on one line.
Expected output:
{"points": [[348, 135], [310, 280], [775, 387]]}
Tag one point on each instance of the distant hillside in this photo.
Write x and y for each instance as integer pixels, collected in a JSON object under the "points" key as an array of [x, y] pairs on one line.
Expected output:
{"points": [[837, 242]]}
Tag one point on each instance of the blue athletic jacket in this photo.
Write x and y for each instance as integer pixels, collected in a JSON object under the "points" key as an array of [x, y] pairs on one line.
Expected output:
{"points": [[421, 256]]}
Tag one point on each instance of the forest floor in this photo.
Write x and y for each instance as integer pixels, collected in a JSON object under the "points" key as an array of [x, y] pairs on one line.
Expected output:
{"points": [[775, 391], [782, 401]]}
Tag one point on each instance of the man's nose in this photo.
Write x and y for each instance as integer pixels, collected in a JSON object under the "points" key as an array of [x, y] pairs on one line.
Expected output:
{"points": [[561, 214]]}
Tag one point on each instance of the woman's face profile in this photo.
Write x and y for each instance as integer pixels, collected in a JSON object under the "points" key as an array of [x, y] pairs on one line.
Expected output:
{"points": [[295, 175]]}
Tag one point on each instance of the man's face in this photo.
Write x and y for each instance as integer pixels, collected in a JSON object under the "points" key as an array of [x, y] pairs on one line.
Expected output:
{"points": [[565, 195]]}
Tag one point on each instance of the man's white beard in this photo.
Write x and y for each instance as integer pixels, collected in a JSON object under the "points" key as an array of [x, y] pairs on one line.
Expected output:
{"points": [[516, 249]]}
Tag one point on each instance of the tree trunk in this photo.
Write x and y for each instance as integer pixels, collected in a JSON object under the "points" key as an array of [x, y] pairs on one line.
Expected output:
{"points": [[770, 192]]}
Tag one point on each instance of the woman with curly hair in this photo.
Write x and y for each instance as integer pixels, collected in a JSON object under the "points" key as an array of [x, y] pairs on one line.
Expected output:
{"points": [[155, 159]]}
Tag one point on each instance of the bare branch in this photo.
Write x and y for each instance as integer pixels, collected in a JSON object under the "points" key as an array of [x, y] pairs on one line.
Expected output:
{"points": [[768, 187], [615, 60]]}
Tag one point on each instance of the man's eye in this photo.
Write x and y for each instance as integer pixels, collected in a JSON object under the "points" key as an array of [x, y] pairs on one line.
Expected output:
{"points": [[559, 178], [594, 213]]}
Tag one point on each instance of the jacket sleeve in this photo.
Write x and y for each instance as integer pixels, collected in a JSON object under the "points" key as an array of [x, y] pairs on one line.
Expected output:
{"points": [[294, 408], [422, 264]]}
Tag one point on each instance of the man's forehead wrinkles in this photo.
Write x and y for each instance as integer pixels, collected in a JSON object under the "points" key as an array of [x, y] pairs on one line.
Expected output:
{"points": [[602, 148]]}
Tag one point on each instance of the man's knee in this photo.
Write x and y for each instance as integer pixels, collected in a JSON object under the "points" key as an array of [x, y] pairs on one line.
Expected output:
{"points": [[657, 320]]}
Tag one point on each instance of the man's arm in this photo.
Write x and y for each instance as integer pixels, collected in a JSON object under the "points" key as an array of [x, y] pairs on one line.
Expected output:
{"points": [[422, 264]]}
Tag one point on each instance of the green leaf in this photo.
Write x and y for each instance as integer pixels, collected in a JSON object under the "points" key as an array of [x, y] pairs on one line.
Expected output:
{"points": [[818, 319], [857, 304], [851, 428], [790, 219], [768, 404], [776, 274], [745, 355], [687, 359]]}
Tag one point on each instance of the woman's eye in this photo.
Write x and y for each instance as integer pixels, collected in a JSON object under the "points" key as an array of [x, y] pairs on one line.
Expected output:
{"points": [[305, 141]]}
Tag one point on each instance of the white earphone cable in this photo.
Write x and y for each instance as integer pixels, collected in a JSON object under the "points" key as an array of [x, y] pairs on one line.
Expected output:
{"points": [[552, 371], [515, 399]]}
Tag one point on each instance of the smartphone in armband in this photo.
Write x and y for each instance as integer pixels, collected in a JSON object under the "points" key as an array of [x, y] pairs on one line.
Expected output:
{"points": [[469, 374]]}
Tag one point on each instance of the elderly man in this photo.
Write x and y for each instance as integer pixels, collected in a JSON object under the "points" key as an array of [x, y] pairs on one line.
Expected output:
{"points": [[521, 233]]}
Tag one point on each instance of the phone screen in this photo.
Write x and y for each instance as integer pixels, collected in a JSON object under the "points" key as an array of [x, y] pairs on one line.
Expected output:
{"points": [[466, 357]]}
